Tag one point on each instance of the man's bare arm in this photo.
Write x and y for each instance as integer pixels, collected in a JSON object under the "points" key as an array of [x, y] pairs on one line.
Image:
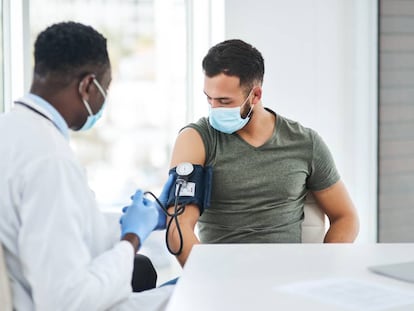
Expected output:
{"points": [[337, 205], [188, 147]]}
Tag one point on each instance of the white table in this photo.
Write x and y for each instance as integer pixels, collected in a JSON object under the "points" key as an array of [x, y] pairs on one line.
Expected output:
{"points": [[249, 276]]}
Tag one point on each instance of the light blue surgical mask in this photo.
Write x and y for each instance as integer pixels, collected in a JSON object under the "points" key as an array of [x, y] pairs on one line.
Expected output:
{"points": [[93, 118], [228, 120]]}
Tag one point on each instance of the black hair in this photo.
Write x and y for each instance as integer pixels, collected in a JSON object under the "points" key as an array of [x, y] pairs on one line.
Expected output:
{"points": [[69, 50], [235, 58]]}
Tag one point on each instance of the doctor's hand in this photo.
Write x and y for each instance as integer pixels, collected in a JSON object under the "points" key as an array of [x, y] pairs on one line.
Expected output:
{"points": [[139, 218], [163, 198]]}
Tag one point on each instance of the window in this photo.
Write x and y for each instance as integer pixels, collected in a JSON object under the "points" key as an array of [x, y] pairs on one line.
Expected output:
{"points": [[146, 107]]}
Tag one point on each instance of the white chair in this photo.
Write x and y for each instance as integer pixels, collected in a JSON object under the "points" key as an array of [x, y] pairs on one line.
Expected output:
{"points": [[5, 293], [313, 226]]}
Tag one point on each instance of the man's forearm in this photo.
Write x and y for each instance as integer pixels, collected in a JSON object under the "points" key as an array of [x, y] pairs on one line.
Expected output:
{"points": [[344, 230], [187, 222], [188, 240]]}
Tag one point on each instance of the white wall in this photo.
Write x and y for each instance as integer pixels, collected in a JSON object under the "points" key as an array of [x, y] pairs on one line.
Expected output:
{"points": [[320, 63]]}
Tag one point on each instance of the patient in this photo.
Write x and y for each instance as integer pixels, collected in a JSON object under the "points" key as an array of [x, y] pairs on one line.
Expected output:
{"points": [[263, 164]]}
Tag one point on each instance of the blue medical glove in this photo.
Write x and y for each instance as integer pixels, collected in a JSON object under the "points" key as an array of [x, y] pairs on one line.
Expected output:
{"points": [[140, 217], [163, 198]]}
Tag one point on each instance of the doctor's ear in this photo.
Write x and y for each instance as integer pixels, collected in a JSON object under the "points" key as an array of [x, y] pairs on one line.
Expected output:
{"points": [[85, 83]]}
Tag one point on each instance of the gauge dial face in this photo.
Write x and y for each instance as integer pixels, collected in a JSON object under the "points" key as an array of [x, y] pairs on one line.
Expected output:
{"points": [[184, 169]]}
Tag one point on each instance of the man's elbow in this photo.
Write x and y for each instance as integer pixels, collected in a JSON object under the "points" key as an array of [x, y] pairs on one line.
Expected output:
{"points": [[344, 229]]}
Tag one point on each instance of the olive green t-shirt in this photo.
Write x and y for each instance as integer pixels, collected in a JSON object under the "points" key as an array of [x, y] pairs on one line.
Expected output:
{"points": [[258, 192]]}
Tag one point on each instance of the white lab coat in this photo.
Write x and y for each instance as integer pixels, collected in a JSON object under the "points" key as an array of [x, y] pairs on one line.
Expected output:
{"points": [[60, 251]]}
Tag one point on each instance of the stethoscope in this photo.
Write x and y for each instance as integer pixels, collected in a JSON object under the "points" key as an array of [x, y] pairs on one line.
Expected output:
{"points": [[36, 111]]}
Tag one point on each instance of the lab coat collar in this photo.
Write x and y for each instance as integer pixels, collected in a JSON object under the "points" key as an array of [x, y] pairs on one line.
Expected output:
{"points": [[41, 105]]}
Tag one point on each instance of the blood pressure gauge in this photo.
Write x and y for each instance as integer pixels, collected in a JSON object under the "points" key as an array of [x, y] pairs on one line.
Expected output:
{"points": [[184, 169]]}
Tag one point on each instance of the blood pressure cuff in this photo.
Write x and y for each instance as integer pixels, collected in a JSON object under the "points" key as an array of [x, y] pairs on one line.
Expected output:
{"points": [[195, 188]]}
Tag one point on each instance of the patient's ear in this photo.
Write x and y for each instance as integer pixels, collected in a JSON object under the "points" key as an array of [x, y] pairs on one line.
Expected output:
{"points": [[257, 94]]}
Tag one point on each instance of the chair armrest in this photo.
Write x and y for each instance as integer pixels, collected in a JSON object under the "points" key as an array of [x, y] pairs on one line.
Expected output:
{"points": [[313, 226]]}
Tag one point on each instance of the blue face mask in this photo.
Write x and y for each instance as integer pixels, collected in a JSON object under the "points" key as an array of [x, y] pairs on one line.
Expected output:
{"points": [[228, 120], [93, 118]]}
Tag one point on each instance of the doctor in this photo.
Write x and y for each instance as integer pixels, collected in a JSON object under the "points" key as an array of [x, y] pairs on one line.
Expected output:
{"points": [[60, 252]]}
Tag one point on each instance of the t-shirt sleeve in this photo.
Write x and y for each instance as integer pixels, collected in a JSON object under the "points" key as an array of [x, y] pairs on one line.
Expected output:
{"points": [[323, 172]]}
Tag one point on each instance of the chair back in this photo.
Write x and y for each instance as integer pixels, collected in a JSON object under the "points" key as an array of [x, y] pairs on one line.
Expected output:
{"points": [[5, 293], [313, 226]]}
